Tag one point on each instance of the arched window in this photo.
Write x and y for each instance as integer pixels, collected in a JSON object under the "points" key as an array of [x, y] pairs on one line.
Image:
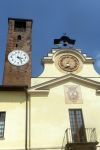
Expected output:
{"points": [[16, 45], [19, 37]]}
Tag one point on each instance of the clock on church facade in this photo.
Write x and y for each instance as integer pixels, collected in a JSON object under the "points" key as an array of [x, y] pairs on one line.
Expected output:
{"points": [[18, 62]]}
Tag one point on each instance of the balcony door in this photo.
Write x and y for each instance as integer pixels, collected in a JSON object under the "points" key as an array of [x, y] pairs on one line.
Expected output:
{"points": [[77, 126]]}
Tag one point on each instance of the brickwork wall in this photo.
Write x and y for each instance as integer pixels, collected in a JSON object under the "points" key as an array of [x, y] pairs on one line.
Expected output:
{"points": [[18, 75]]}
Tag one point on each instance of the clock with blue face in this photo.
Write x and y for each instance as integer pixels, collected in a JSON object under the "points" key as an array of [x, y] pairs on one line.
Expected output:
{"points": [[18, 58]]}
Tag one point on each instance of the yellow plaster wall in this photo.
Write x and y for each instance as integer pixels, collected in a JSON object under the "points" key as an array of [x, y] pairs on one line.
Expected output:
{"points": [[50, 116], [50, 70], [13, 103]]}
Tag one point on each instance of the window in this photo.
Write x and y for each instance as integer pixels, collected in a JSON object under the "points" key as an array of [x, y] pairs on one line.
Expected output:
{"points": [[2, 124], [20, 25], [77, 125], [16, 45], [18, 37]]}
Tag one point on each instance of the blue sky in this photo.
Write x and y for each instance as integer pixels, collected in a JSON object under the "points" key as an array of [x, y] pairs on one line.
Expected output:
{"points": [[80, 19]]}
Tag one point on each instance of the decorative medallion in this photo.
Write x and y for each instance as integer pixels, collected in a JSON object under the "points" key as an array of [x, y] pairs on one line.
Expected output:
{"points": [[68, 63], [73, 94]]}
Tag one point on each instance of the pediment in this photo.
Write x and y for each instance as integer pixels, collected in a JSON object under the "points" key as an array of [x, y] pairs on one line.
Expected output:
{"points": [[46, 86]]}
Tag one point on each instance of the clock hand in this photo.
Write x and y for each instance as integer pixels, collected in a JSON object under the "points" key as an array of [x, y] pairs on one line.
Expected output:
{"points": [[67, 65], [20, 59]]}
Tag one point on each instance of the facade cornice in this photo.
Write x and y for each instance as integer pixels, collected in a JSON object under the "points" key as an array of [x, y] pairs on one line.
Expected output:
{"points": [[39, 91], [98, 91], [67, 78], [51, 56], [13, 88]]}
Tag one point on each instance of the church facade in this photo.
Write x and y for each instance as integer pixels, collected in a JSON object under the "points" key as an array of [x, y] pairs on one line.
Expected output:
{"points": [[58, 109]]}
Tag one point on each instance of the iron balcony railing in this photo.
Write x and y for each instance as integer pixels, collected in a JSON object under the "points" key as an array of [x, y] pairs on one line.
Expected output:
{"points": [[80, 135]]}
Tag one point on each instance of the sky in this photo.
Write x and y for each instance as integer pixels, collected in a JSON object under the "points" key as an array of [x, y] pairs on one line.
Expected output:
{"points": [[79, 19]]}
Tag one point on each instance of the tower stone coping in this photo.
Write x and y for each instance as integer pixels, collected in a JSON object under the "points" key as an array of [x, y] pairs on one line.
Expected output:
{"points": [[21, 19]]}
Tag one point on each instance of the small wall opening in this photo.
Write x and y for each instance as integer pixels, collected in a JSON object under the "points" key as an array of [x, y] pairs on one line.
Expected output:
{"points": [[19, 37], [16, 45]]}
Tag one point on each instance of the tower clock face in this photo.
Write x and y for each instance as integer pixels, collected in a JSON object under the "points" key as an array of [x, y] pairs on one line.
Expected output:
{"points": [[68, 63], [18, 57]]}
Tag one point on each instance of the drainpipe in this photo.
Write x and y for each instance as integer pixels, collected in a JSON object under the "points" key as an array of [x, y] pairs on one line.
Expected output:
{"points": [[26, 120]]}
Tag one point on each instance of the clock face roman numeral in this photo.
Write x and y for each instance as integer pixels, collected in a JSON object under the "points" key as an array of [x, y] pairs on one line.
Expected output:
{"points": [[18, 57]]}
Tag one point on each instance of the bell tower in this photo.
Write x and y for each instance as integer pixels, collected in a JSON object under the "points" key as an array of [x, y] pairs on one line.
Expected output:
{"points": [[18, 61]]}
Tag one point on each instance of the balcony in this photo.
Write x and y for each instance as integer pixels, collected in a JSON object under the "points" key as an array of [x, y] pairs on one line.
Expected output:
{"points": [[80, 139]]}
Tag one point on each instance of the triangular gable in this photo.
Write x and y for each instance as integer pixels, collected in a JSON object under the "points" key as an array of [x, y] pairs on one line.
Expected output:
{"points": [[45, 86]]}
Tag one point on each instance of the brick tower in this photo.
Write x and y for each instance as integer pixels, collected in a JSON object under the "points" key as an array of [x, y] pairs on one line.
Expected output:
{"points": [[18, 61]]}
